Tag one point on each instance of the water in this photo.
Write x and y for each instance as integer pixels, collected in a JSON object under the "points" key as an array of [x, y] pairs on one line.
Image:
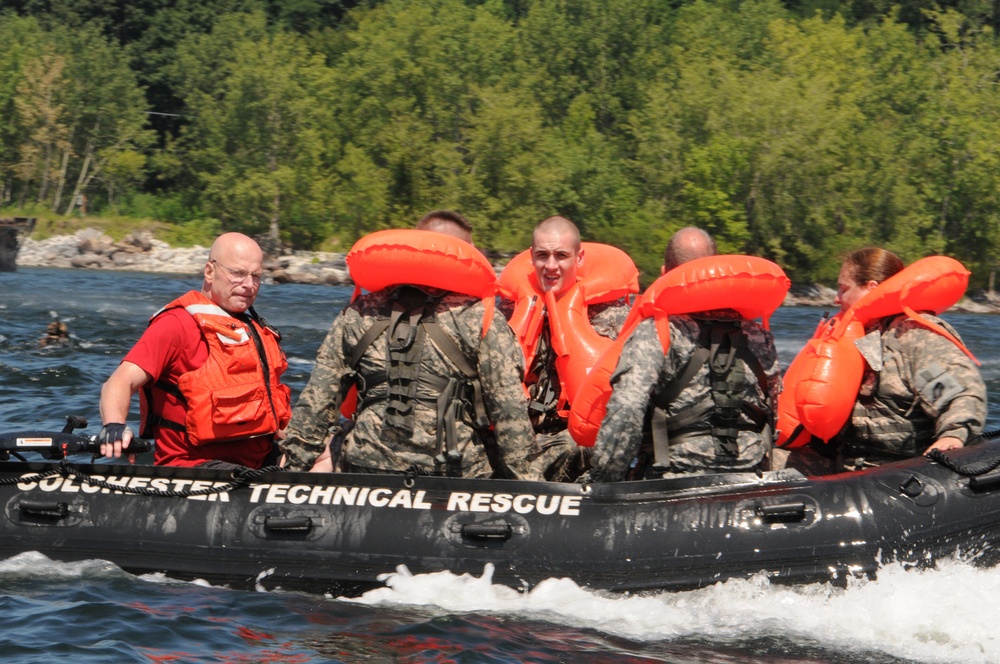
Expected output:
{"points": [[94, 612]]}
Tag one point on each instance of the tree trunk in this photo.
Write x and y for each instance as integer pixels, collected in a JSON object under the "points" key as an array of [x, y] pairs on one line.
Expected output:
{"points": [[274, 230], [43, 189], [274, 225], [61, 184], [80, 181]]}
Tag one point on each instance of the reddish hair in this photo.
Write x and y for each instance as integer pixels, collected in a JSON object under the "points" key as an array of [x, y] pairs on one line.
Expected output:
{"points": [[873, 264]]}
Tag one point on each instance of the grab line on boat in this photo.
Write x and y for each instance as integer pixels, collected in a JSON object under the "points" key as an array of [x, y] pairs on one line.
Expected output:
{"points": [[240, 479]]}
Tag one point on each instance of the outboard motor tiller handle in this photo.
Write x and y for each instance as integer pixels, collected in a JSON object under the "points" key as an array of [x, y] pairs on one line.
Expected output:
{"points": [[58, 444]]}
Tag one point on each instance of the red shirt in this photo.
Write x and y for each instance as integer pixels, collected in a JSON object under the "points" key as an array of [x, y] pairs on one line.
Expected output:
{"points": [[172, 345]]}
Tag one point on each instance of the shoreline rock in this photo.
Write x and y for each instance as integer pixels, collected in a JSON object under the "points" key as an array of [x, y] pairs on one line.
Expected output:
{"points": [[140, 252]]}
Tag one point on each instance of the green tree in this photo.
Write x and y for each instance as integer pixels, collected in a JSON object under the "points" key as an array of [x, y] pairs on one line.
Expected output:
{"points": [[109, 114], [41, 109], [958, 168], [256, 138]]}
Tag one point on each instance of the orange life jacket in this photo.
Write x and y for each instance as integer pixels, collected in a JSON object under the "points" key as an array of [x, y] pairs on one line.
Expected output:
{"points": [[607, 274], [821, 385], [229, 397], [754, 287]]}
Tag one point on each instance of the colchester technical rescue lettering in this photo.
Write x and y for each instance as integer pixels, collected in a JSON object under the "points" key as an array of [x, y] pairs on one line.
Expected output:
{"points": [[156, 484], [309, 494], [457, 501]]}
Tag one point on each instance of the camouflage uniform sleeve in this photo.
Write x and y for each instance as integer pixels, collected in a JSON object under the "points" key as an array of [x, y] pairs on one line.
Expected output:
{"points": [[501, 366], [317, 411], [945, 381], [607, 318], [640, 367], [761, 344]]}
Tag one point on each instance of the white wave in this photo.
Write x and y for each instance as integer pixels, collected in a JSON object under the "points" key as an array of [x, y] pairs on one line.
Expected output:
{"points": [[32, 564], [936, 616]]}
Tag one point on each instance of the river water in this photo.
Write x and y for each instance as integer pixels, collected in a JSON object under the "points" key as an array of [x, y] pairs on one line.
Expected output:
{"points": [[94, 612]]}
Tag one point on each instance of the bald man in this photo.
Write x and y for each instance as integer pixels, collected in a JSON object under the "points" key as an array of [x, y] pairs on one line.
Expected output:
{"points": [[685, 245], [436, 394], [201, 410]]}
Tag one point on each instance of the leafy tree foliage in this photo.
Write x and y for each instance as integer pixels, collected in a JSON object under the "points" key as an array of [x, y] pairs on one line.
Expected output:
{"points": [[794, 129]]}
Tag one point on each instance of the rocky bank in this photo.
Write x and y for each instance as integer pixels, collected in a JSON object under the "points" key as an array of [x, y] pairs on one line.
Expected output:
{"points": [[140, 252]]}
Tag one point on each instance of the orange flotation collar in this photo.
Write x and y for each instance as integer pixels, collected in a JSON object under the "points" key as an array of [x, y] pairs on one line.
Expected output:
{"points": [[420, 258], [607, 274], [754, 287], [821, 385]]}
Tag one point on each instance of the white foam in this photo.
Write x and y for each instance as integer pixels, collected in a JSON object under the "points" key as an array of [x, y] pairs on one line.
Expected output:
{"points": [[32, 564], [942, 615]]}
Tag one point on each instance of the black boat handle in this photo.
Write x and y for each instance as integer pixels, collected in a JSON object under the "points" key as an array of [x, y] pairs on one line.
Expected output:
{"points": [[781, 513], [297, 524], [48, 510], [990, 482], [484, 531]]}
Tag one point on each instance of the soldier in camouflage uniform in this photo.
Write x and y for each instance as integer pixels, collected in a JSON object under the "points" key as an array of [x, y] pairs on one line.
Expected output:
{"points": [[919, 391], [708, 405], [918, 388], [442, 425], [556, 256]]}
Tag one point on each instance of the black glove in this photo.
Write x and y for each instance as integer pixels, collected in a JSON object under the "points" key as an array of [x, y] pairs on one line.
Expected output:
{"points": [[111, 432]]}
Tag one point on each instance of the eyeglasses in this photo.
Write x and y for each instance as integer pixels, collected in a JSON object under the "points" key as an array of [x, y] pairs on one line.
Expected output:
{"points": [[239, 276]]}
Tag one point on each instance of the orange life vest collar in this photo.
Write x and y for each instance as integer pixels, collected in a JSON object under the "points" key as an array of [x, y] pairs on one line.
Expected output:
{"points": [[753, 287], [422, 258]]}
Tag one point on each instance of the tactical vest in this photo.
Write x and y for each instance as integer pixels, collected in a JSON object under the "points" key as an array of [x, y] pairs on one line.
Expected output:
{"points": [[544, 393], [408, 379], [721, 345]]}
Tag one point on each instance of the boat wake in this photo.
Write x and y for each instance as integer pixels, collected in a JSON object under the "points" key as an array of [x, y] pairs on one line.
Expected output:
{"points": [[942, 615]]}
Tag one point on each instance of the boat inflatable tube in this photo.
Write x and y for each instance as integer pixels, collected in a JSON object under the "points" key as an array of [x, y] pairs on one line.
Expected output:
{"points": [[607, 274], [821, 385], [419, 258], [752, 286]]}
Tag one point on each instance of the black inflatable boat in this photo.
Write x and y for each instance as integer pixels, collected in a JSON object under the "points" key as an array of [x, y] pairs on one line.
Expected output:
{"points": [[337, 533]]}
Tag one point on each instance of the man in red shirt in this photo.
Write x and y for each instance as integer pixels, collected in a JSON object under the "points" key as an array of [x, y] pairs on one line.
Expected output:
{"points": [[209, 372]]}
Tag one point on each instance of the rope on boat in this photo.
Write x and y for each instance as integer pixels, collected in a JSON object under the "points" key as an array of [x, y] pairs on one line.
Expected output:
{"points": [[240, 478], [971, 470], [33, 478]]}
